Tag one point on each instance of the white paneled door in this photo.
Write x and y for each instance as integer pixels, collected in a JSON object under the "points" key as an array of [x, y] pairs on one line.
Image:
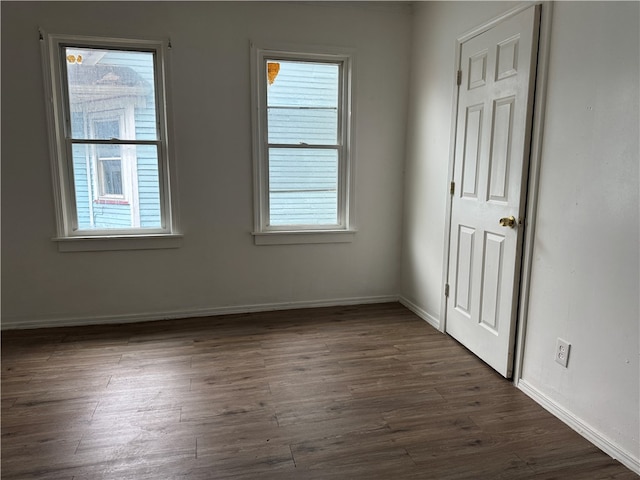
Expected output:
{"points": [[495, 100]]}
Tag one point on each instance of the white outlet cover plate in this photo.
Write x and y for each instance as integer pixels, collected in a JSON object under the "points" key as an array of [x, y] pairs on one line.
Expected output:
{"points": [[562, 352]]}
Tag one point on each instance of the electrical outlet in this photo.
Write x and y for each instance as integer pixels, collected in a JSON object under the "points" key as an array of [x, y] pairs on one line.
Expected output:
{"points": [[562, 352]]}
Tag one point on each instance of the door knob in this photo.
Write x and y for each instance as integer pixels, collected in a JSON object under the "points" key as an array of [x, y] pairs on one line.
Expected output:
{"points": [[508, 221]]}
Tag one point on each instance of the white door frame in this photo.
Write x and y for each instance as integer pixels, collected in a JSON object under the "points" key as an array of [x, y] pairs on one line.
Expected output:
{"points": [[531, 200]]}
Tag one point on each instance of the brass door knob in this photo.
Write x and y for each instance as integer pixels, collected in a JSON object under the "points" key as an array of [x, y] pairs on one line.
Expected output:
{"points": [[508, 221]]}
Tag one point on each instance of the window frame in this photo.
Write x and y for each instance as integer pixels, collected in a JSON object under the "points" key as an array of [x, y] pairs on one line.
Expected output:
{"points": [[344, 230], [69, 236]]}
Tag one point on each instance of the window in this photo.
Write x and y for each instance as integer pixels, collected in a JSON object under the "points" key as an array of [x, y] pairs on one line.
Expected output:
{"points": [[108, 160], [302, 150], [112, 174]]}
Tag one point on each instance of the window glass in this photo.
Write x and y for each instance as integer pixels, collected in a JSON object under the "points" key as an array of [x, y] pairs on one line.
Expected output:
{"points": [[103, 200], [103, 80], [106, 129], [112, 104], [110, 171], [303, 186], [302, 102]]}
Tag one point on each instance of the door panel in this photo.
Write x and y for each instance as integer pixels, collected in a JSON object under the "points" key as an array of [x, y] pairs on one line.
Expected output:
{"points": [[490, 172], [471, 155], [501, 140], [478, 70], [491, 276], [507, 65], [465, 270]]}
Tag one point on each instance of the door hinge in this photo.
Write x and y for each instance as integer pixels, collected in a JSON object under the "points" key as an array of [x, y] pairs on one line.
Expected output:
{"points": [[446, 290], [452, 188], [459, 78]]}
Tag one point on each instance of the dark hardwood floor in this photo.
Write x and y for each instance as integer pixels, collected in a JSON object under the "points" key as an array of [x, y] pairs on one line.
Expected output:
{"points": [[367, 392]]}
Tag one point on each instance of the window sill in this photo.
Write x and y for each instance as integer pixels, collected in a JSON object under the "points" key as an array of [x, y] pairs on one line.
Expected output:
{"points": [[303, 236], [118, 242], [110, 201]]}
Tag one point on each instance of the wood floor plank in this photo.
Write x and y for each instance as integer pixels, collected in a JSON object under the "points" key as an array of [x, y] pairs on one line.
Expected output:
{"points": [[373, 447], [359, 392]]}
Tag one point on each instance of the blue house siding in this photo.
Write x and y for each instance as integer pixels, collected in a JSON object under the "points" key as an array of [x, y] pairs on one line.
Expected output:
{"points": [[82, 180], [303, 208], [303, 186], [111, 216], [82, 176], [312, 126], [147, 168], [148, 191], [146, 122]]}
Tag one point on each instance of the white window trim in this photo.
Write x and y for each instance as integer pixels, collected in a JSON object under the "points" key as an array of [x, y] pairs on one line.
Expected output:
{"points": [[344, 231], [68, 236]]}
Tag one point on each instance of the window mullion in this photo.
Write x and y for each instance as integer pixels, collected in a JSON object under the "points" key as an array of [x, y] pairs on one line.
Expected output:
{"points": [[81, 141], [304, 146]]}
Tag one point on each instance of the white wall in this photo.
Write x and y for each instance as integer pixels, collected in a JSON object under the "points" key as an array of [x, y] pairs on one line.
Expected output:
{"points": [[585, 272], [218, 265], [436, 26]]}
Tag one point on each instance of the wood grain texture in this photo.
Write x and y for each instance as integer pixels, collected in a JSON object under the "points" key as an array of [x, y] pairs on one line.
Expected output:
{"points": [[364, 392]]}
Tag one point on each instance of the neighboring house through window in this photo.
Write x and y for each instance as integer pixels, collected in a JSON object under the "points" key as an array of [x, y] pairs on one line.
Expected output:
{"points": [[109, 138], [303, 148]]}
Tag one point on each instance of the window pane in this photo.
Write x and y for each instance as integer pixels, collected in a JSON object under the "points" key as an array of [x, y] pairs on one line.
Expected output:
{"points": [[111, 181], [302, 102], [109, 151], [114, 84], [106, 129], [295, 126], [303, 186], [114, 193]]}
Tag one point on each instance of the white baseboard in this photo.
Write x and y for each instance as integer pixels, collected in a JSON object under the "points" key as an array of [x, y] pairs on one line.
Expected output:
{"points": [[25, 322], [584, 429], [423, 314]]}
